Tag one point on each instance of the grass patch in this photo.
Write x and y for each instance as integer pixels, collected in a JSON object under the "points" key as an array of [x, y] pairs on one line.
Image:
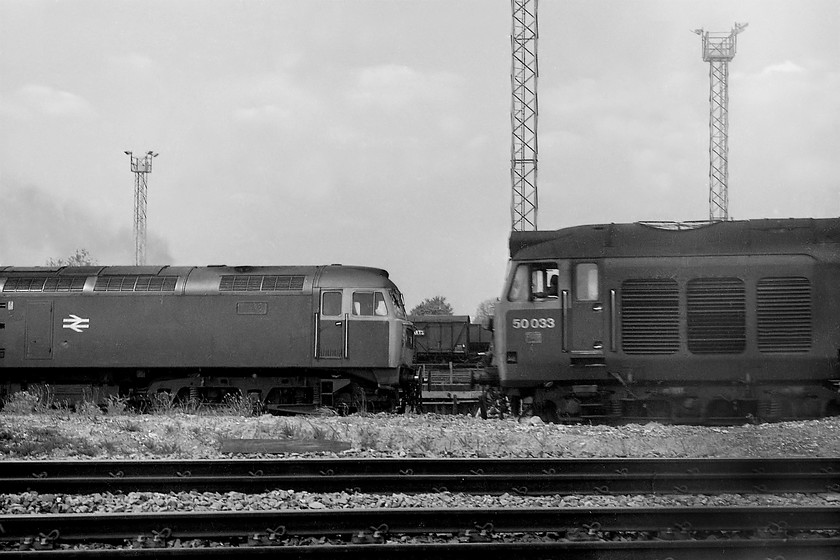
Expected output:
{"points": [[44, 441]]}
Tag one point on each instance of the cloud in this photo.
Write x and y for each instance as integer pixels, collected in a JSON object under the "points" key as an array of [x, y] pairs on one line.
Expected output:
{"points": [[133, 62], [35, 226], [262, 114], [33, 100], [785, 67], [55, 102], [394, 86], [267, 99]]}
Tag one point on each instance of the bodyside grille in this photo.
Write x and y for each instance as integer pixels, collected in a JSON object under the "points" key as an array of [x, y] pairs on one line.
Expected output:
{"points": [[784, 314], [716, 316], [258, 283], [650, 316], [135, 284], [45, 284]]}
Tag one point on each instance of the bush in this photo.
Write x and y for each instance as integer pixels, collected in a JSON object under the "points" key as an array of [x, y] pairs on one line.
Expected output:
{"points": [[22, 402]]}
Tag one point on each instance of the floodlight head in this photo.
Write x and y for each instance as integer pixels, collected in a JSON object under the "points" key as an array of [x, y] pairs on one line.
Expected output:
{"points": [[127, 153]]}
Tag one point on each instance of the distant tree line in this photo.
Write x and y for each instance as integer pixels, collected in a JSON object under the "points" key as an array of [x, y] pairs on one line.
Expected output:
{"points": [[80, 258], [439, 306]]}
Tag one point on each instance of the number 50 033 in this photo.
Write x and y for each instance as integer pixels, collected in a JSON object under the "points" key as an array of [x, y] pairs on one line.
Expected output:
{"points": [[535, 323]]}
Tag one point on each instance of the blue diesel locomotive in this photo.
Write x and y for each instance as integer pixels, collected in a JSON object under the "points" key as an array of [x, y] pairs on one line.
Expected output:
{"points": [[291, 338], [712, 322]]}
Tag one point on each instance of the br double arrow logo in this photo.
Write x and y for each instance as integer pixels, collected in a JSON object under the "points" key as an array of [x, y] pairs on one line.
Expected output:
{"points": [[76, 323]]}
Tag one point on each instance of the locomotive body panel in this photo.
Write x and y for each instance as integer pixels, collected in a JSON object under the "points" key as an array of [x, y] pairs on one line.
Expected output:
{"points": [[165, 331]]}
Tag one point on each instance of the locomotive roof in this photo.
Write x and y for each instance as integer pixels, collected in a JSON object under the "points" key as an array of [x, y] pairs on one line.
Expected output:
{"points": [[764, 236], [206, 279]]}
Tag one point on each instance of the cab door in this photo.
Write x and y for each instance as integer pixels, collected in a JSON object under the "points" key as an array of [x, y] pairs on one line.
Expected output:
{"points": [[586, 311], [368, 341], [332, 326]]}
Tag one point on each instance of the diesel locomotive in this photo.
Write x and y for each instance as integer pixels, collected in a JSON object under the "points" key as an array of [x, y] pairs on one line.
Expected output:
{"points": [[705, 322], [290, 338]]}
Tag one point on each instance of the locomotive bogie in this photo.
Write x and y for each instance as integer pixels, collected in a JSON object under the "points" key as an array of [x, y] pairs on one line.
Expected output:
{"points": [[733, 320]]}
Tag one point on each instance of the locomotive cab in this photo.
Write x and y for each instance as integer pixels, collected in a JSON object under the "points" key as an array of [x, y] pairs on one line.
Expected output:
{"points": [[555, 310], [365, 328]]}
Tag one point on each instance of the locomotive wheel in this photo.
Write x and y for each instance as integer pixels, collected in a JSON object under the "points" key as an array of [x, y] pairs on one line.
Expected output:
{"points": [[548, 412], [516, 406]]}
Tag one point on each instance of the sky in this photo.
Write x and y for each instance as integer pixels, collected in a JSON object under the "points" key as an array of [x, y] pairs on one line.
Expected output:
{"points": [[378, 132]]}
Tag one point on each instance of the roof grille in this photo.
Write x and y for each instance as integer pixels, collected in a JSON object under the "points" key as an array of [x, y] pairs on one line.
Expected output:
{"points": [[650, 316], [144, 283], [258, 283], [45, 284], [716, 316], [784, 314]]}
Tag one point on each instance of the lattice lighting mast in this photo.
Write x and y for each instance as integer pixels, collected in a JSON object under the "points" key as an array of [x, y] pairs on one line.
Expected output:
{"points": [[141, 167], [718, 50], [523, 162]]}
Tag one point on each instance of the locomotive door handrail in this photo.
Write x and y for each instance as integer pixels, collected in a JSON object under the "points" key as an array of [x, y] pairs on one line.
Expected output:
{"points": [[613, 321], [346, 335], [564, 314], [317, 329]]}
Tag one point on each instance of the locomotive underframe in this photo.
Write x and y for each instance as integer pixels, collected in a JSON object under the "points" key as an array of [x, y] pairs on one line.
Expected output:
{"points": [[272, 391], [616, 400]]}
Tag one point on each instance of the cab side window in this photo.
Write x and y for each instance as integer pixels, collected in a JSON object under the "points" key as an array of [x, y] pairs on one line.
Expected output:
{"points": [[331, 304], [535, 281], [586, 282], [369, 304]]}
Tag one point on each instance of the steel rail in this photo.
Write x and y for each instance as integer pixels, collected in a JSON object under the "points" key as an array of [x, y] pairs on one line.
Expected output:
{"points": [[574, 526], [412, 521], [418, 475], [746, 549]]}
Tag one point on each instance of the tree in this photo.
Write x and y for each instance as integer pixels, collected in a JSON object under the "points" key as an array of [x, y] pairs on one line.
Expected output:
{"points": [[432, 306], [80, 258], [485, 311]]}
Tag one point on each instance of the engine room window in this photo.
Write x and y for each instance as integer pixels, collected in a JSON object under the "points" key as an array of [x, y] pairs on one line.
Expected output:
{"points": [[586, 282], [331, 304], [368, 304]]}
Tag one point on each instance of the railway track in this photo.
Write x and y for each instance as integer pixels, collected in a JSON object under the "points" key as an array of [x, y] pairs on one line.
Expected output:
{"points": [[478, 476], [753, 532], [626, 533]]}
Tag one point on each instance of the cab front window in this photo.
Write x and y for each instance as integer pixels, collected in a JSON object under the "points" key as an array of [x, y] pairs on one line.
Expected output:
{"points": [[399, 304]]}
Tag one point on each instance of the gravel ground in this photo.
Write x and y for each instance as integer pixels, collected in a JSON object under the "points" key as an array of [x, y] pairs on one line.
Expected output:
{"points": [[74, 436], [97, 436], [145, 502]]}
